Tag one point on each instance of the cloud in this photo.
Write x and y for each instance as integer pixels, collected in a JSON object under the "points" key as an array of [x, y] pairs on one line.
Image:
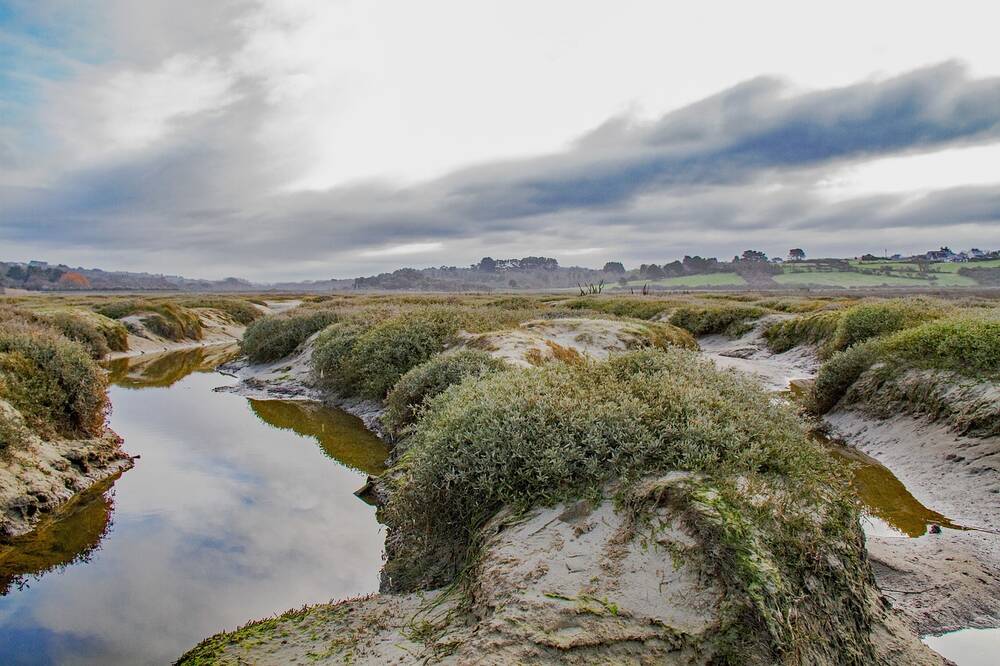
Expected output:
{"points": [[193, 159]]}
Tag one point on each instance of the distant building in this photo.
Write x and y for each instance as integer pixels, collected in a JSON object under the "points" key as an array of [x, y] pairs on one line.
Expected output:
{"points": [[944, 254]]}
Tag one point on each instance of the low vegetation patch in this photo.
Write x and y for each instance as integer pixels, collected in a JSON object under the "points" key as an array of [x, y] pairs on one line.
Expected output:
{"points": [[428, 380], [164, 318], [764, 500], [966, 346], [634, 308], [731, 321], [239, 310], [837, 330], [52, 381], [276, 336]]}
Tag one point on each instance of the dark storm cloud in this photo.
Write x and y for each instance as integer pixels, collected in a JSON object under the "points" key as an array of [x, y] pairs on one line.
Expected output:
{"points": [[743, 161]]}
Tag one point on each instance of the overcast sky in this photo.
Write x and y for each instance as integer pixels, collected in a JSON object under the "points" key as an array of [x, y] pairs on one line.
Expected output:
{"points": [[291, 139]]}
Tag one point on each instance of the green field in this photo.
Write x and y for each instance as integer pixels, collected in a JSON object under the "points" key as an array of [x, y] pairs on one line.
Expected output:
{"points": [[706, 280], [846, 279]]}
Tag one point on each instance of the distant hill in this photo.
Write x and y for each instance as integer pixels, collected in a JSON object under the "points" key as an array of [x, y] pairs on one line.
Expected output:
{"points": [[751, 270]]}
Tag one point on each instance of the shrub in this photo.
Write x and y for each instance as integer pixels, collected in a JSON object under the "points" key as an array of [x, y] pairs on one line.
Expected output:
{"points": [[527, 437], [839, 373], [51, 381], [815, 329], [968, 346], [165, 319], [240, 310], [871, 320], [730, 321], [333, 363], [81, 330], [390, 348], [634, 308], [276, 336], [428, 380]]}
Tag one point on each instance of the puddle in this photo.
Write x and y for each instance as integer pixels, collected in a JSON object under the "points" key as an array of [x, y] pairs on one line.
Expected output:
{"points": [[888, 508], [968, 647]]}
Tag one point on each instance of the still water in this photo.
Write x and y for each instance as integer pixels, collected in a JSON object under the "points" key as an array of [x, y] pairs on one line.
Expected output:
{"points": [[236, 510]]}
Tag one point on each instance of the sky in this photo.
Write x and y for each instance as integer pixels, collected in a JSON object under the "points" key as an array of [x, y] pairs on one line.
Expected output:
{"points": [[309, 139]]}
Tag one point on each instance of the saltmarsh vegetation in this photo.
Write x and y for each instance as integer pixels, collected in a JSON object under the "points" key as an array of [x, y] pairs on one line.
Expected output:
{"points": [[776, 522], [428, 380], [270, 338], [836, 330], [51, 381], [164, 318], [938, 368], [731, 320]]}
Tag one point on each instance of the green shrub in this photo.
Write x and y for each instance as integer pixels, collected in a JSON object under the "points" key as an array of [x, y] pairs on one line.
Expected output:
{"points": [[814, 329], [276, 336], [240, 310], [532, 437], [634, 308], [730, 321], [333, 363], [839, 373], [969, 346], [394, 346], [51, 381], [870, 320], [428, 380], [81, 330], [165, 319]]}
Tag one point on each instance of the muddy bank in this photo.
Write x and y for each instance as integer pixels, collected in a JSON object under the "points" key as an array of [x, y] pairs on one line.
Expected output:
{"points": [[939, 581], [36, 479], [948, 580]]}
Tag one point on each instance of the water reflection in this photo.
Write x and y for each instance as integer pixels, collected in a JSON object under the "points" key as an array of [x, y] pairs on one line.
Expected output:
{"points": [[67, 538], [342, 436], [224, 519], [164, 369], [889, 508]]}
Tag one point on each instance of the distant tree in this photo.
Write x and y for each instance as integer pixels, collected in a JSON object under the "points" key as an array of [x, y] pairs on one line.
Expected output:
{"points": [[17, 273], [753, 255], [614, 267], [796, 254], [698, 264], [673, 269], [487, 265], [653, 272], [512, 284], [623, 281], [869, 257], [74, 280]]}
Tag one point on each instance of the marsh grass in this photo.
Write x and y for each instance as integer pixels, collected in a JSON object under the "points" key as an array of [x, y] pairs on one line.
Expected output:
{"points": [[52, 381], [164, 318], [732, 321]]}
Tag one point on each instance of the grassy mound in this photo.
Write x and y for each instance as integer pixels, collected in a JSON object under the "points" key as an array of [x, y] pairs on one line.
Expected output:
{"points": [[526, 437], [633, 308], [164, 318], [430, 379], [837, 330], [240, 310], [968, 347], [276, 336], [763, 499], [731, 321], [51, 381]]}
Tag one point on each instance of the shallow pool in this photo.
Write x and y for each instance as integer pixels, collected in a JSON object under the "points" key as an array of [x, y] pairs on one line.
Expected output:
{"points": [[236, 510]]}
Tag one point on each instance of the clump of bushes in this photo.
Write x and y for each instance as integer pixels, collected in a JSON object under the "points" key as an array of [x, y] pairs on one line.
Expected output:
{"points": [[814, 329], [969, 347], [165, 319], [731, 321], [276, 336], [81, 330], [839, 329], [240, 310], [634, 308], [52, 381], [420, 384], [528, 437], [871, 320]]}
